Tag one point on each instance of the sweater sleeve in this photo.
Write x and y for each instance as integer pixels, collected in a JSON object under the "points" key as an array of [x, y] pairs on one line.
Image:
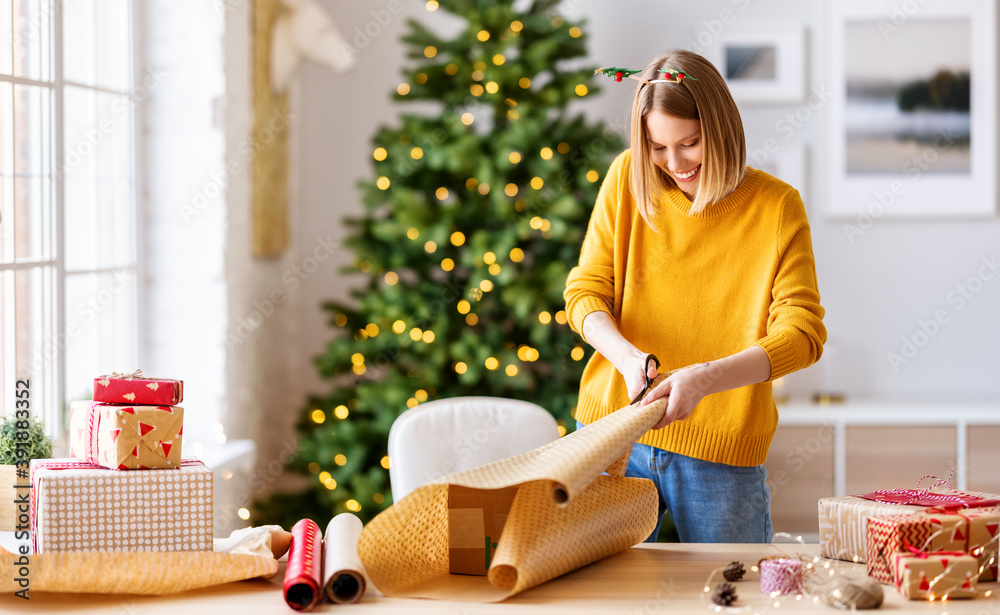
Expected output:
{"points": [[795, 330], [590, 286]]}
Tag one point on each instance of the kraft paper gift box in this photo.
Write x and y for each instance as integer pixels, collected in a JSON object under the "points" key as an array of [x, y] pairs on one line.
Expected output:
{"points": [[126, 437], [78, 506], [890, 535], [134, 389], [938, 575], [842, 522], [475, 521]]}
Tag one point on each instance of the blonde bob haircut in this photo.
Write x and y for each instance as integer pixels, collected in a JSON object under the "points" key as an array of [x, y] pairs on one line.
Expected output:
{"points": [[707, 100]]}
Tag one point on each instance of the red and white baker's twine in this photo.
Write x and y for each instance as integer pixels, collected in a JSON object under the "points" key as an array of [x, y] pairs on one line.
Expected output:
{"points": [[918, 493], [781, 576]]}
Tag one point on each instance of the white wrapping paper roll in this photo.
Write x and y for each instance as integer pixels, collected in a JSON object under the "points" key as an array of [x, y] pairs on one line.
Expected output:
{"points": [[343, 573]]}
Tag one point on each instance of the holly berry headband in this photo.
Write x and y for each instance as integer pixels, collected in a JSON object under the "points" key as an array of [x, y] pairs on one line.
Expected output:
{"points": [[672, 74]]}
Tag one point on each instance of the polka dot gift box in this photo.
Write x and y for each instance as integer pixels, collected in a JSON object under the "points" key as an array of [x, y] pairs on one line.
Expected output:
{"points": [[77, 506]]}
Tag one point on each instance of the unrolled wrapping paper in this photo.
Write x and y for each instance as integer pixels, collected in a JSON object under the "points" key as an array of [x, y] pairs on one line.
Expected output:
{"points": [[343, 573], [565, 515]]}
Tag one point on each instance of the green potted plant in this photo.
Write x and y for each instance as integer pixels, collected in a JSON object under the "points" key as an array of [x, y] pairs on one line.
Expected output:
{"points": [[36, 444]]}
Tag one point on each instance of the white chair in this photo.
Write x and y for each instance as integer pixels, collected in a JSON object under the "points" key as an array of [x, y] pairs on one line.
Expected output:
{"points": [[449, 435]]}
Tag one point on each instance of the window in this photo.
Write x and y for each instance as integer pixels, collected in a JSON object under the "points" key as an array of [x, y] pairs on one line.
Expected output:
{"points": [[67, 199]]}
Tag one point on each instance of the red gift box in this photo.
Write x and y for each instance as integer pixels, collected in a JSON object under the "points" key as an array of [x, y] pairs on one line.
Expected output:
{"points": [[135, 389]]}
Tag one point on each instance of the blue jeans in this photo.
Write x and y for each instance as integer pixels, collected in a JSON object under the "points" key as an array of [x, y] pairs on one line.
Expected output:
{"points": [[709, 502]]}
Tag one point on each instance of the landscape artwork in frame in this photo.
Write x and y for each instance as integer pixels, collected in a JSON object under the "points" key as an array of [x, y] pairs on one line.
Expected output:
{"points": [[763, 64], [912, 128]]}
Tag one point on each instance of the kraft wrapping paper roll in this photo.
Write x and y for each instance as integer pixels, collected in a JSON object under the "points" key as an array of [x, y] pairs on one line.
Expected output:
{"points": [[565, 515], [343, 573]]}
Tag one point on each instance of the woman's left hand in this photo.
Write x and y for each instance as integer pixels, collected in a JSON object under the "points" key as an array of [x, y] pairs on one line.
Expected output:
{"points": [[683, 390]]}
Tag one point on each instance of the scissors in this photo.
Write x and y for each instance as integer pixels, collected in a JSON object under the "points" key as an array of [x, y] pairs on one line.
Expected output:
{"points": [[645, 371]]}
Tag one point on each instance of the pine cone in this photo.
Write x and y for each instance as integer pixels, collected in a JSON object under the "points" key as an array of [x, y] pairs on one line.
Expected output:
{"points": [[724, 594], [734, 572]]}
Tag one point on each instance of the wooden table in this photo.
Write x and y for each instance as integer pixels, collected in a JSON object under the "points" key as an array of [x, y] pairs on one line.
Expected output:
{"points": [[644, 580]]}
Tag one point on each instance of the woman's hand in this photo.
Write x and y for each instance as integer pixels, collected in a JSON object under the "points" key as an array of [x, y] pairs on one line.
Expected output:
{"points": [[635, 367], [683, 390]]}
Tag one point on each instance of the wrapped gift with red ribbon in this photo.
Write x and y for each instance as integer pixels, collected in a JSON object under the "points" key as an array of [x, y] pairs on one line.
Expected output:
{"points": [[935, 576], [843, 519], [135, 389], [126, 437], [79, 506]]}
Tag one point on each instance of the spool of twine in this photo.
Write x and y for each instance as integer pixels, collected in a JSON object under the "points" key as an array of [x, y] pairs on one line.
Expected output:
{"points": [[781, 576], [850, 592]]}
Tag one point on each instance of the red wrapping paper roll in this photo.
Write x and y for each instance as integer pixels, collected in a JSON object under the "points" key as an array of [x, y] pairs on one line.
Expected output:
{"points": [[303, 586]]}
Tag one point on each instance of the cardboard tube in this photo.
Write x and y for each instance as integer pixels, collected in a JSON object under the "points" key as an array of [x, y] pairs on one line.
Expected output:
{"points": [[343, 573]]}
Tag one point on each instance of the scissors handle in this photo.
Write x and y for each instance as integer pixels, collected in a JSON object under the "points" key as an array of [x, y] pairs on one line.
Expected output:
{"points": [[649, 381]]}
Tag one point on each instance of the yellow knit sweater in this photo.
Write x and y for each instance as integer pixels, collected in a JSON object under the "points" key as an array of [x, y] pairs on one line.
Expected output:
{"points": [[740, 273]]}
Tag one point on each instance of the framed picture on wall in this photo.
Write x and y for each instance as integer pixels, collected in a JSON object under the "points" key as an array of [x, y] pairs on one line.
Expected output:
{"points": [[763, 64], [911, 128]]}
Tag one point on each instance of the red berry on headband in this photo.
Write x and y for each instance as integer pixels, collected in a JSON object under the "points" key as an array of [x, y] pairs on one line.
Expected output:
{"points": [[680, 76], [618, 76]]}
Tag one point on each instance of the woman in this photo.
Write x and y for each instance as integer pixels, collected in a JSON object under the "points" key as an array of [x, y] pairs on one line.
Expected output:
{"points": [[701, 261]]}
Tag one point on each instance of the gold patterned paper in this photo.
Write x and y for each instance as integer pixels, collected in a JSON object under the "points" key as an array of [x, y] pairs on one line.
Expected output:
{"points": [[566, 514]]}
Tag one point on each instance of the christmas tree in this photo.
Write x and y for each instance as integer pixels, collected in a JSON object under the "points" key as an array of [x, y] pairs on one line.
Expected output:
{"points": [[475, 216]]}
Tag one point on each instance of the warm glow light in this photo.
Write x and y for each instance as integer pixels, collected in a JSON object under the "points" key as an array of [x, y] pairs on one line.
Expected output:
{"points": [[489, 258], [441, 193], [352, 505], [318, 416], [378, 498], [421, 78], [524, 82], [382, 183], [421, 395], [468, 118], [511, 370], [403, 89], [576, 354], [430, 247], [544, 318], [510, 190], [391, 278], [561, 317], [413, 232], [580, 89], [483, 36], [451, 69], [398, 327], [341, 412], [492, 87], [492, 363], [431, 5], [330, 484], [517, 255], [546, 153], [243, 513], [478, 75], [340, 320], [457, 238], [592, 176], [340, 459], [412, 402], [562, 430], [516, 26], [385, 462], [476, 89], [416, 153], [537, 183], [323, 477], [494, 269], [372, 329], [471, 320], [514, 157], [447, 264], [575, 32], [416, 334], [464, 307], [483, 189], [498, 59], [428, 337], [461, 368], [535, 223], [357, 358], [563, 148], [359, 370], [380, 154], [430, 51], [486, 286], [480, 65]]}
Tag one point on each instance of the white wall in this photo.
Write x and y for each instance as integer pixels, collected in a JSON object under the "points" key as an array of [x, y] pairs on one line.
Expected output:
{"points": [[876, 290]]}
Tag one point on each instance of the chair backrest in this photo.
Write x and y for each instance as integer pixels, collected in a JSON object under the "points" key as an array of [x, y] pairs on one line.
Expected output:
{"points": [[450, 435]]}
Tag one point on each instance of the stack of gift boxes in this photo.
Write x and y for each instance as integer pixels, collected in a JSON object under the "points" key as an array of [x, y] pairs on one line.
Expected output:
{"points": [[126, 487], [929, 545]]}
